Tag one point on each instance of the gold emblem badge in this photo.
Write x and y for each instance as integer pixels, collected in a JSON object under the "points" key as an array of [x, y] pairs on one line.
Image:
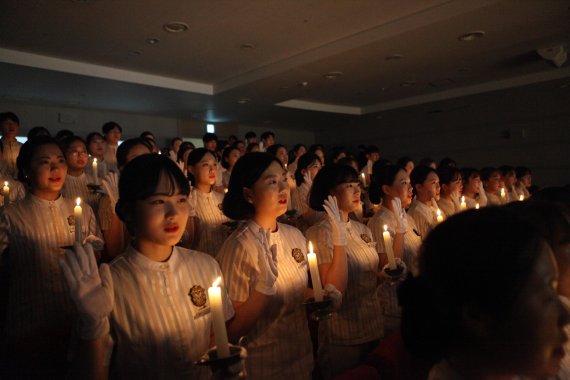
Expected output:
{"points": [[366, 238], [71, 220], [198, 295], [298, 255]]}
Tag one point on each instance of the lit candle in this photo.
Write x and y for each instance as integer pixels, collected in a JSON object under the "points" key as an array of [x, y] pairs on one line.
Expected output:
{"points": [[363, 176], [439, 216], [503, 194], [95, 174], [521, 197], [6, 193], [463, 205], [476, 206], [389, 248], [78, 215], [315, 277], [225, 190], [218, 320]]}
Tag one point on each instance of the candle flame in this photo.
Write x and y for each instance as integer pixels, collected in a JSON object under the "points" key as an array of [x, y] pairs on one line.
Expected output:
{"points": [[477, 206], [502, 191], [463, 199], [438, 212], [310, 247], [521, 198], [363, 175], [226, 190], [385, 228], [95, 161], [5, 183], [217, 282], [78, 201]]}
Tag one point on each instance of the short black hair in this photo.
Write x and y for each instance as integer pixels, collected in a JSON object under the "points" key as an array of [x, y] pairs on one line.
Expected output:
{"points": [[487, 172], [209, 137], [66, 143], [139, 180], [521, 171], [448, 161], [274, 148], [303, 163], [250, 134], [126, 146], [147, 135], [38, 131], [28, 150], [9, 116], [226, 154], [245, 174], [92, 135], [267, 134], [448, 174], [173, 140], [403, 161], [62, 134], [382, 175], [186, 145], [419, 175], [468, 173], [326, 180], [194, 157], [108, 126]]}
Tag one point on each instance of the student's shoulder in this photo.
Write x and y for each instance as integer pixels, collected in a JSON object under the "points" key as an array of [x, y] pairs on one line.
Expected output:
{"points": [[193, 257]]}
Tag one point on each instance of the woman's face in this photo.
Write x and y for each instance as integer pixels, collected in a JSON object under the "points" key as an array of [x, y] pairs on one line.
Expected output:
{"points": [[534, 329], [526, 180], [510, 179], [320, 154], [313, 169], [113, 136], [347, 195], [302, 150], [233, 157], [47, 171], [97, 147], [161, 219], [10, 129], [282, 155], [270, 193], [429, 188], [401, 188], [409, 167], [493, 184], [472, 185], [456, 186], [76, 156], [204, 171]]}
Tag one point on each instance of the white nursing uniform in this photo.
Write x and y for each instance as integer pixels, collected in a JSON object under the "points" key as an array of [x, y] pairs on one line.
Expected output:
{"points": [[211, 232]]}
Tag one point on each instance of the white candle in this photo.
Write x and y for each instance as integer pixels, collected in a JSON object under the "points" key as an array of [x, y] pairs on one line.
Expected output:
{"points": [[315, 277], [363, 176], [463, 205], [218, 320], [503, 194], [78, 215], [521, 197], [476, 206], [439, 216], [6, 193], [95, 174], [389, 248]]}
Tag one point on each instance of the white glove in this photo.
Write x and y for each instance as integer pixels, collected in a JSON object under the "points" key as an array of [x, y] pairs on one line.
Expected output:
{"points": [[482, 195], [307, 178], [181, 166], [267, 263], [336, 218], [111, 187], [401, 219], [192, 202], [455, 200], [369, 165], [434, 204], [399, 264], [97, 243], [91, 289], [334, 294]]}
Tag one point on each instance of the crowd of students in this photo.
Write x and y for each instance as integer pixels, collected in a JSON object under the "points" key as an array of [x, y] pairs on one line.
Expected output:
{"points": [[484, 258]]}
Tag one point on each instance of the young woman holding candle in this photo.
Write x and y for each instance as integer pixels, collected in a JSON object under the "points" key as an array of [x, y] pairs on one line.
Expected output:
{"points": [[39, 314], [424, 209], [210, 230], [491, 312], [266, 273], [151, 303], [229, 158], [76, 182], [473, 188], [308, 166], [451, 188], [509, 179], [348, 260], [524, 182], [296, 153], [96, 147], [492, 183]]}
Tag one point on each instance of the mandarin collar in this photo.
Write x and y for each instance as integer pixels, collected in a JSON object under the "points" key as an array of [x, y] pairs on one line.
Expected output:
{"points": [[145, 263]]}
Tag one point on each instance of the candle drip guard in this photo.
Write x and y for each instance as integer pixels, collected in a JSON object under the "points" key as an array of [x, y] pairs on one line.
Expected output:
{"points": [[319, 310], [228, 368]]}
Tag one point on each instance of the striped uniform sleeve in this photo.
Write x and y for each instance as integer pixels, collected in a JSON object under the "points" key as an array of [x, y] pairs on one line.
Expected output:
{"points": [[321, 237], [376, 226], [4, 232], [238, 268]]}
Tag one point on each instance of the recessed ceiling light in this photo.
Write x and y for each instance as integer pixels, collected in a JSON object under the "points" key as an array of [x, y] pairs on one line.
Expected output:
{"points": [[471, 36], [333, 75], [244, 100], [394, 57], [408, 83], [152, 41], [247, 45], [175, 27], [135, 53]]}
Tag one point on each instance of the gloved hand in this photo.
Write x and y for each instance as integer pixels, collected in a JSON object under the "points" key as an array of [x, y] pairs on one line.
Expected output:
{"points": [[307, 178], [482, 195], [336, 218], [91, 289], [97, 243], [267, 263], [434, 204], [111, 187], [455, 200], [181, 166], [401, 219], [399, 264], [334, 294]]}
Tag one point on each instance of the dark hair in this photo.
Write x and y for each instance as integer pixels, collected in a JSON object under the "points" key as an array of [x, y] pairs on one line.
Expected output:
{"points": [[325, 181], [38, 131], [521, 171], [403, 161], [139, 180], [506, 170], [124, 149], [497, 257], [372, 149], [186, 145], [173, 140], [246, 172], [209, 137], [109, 126], [274, 148], [467, 173], [92, 135], [487, 172], [250, 134], [334, 153], [66, 143], [62, 134], [419, 175], [448, 174], [147, 135], [226, 155], [194, 157], [28, 150], [267, 134], [348, 160], [426, 161], [9, 116], [251, 146], [447, 161], [313, 148], [382, 175], [303, 163]]}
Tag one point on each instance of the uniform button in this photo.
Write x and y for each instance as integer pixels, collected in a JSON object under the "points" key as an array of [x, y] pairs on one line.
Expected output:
{"points": [[163, 266]]}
